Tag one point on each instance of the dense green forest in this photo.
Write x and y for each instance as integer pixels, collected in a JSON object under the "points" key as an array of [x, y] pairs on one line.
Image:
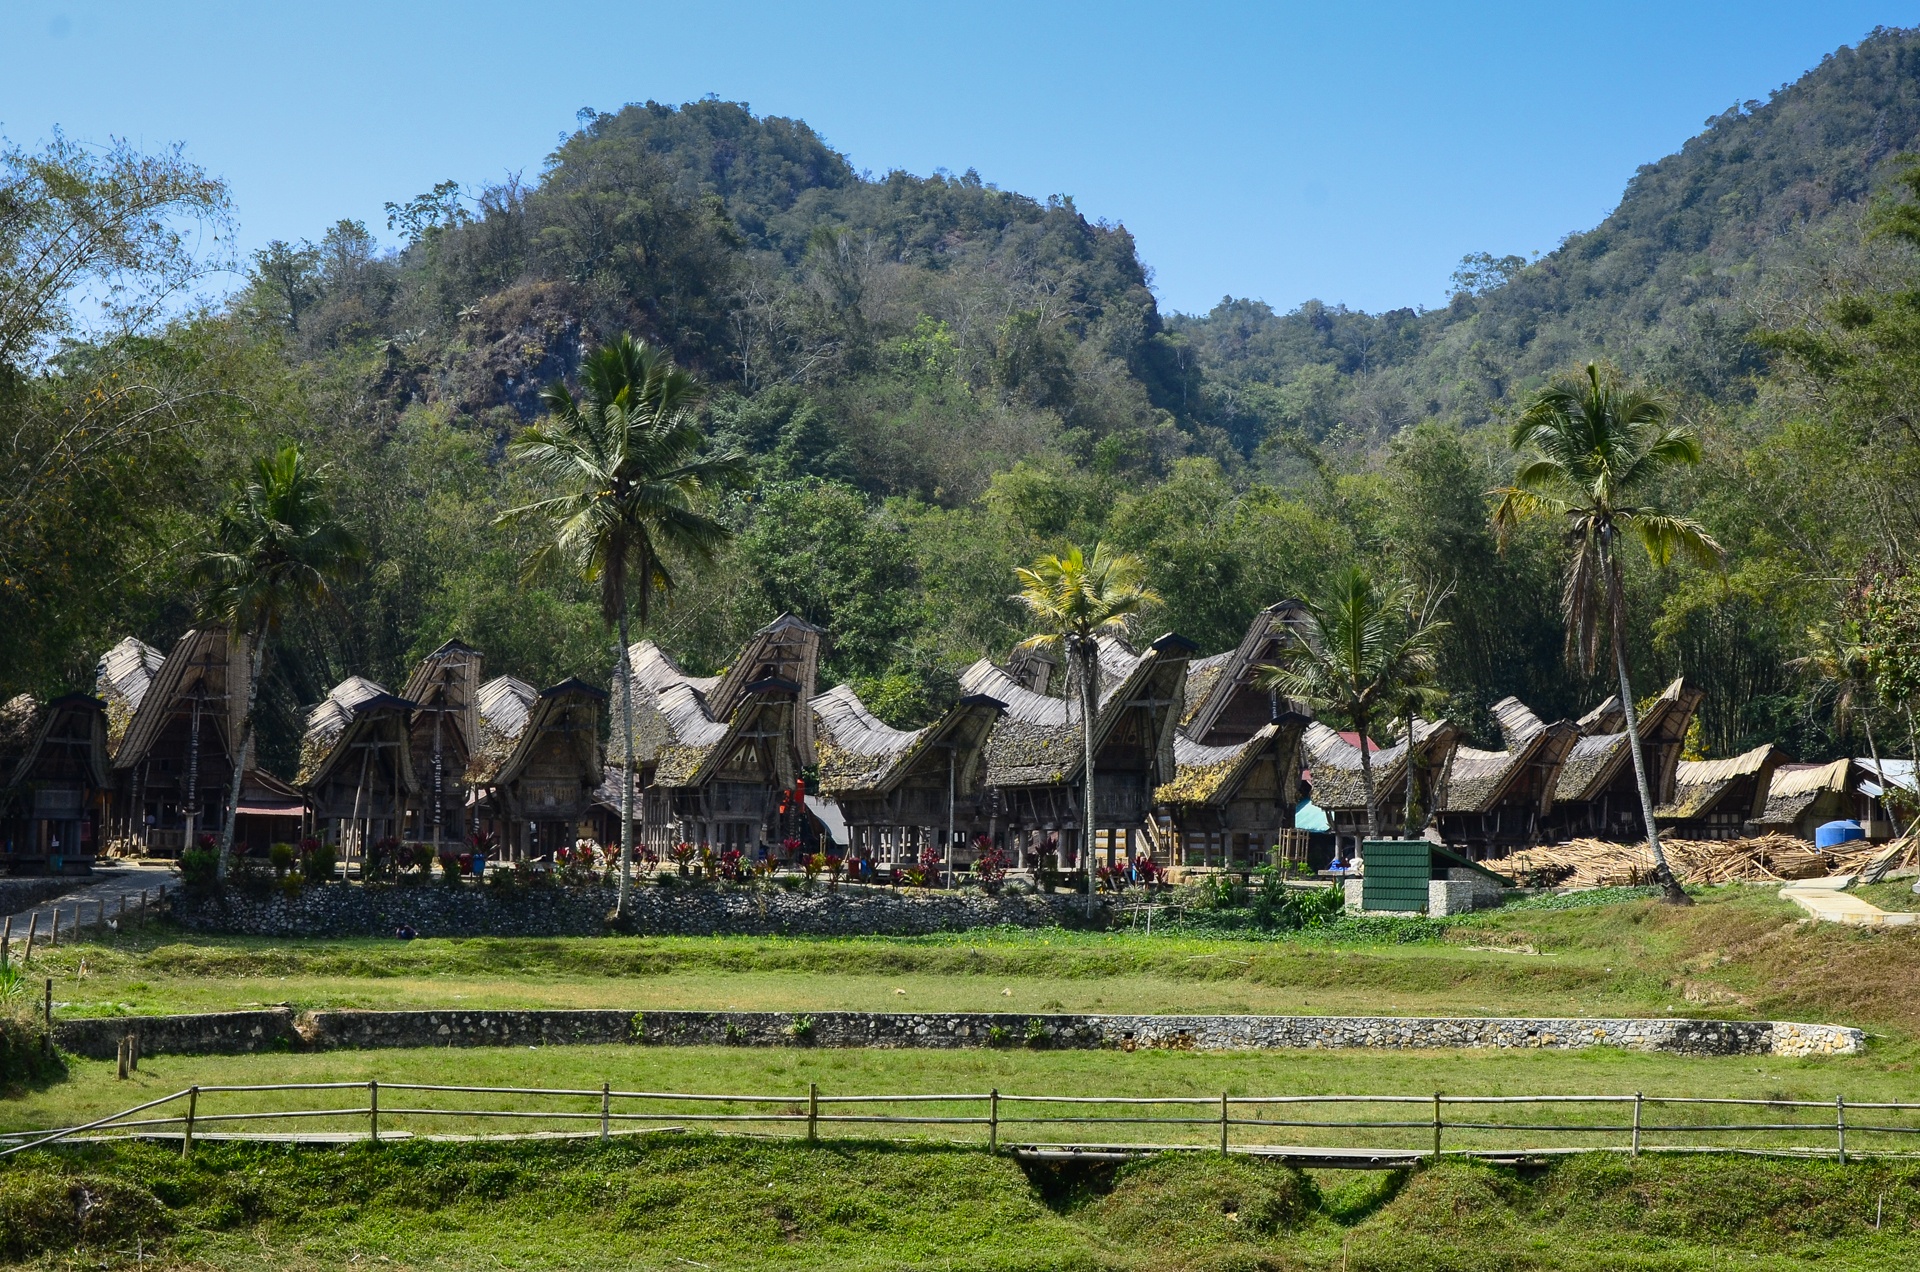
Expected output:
{"points": [[935, 379]]}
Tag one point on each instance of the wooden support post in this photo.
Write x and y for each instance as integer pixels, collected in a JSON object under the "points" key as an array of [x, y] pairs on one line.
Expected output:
{"points": [[1223, 1122], [1638, 1100], [133, 1052], [33, 922], [122, 1075], [1436, 1128], [1840, 1124], [193, 1106], [993, 1122], [49, 1006], [606, 1110], [813, 1112]]}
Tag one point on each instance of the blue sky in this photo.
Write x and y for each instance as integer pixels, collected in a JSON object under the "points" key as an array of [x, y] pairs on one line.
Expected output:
{"points": [[1350, 152]]}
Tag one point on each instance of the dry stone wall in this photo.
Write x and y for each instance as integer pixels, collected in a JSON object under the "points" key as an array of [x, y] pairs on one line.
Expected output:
{"points": [[243, 1032], [436, 909]]}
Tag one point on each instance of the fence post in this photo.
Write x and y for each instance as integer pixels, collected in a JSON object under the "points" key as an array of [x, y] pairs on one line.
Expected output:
{"points": [[1637, 1098], [1223, 1122], [33, 922], [6, 935], [373, 1112], [1436, 1128], [123, 1060], [606, 1108], [993, 1122], [1840, 1124], [813, 1112], [53, 930], [193, 1104]]}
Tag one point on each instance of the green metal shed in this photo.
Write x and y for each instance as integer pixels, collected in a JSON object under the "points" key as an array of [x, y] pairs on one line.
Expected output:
{"points": [[1398, 871]]}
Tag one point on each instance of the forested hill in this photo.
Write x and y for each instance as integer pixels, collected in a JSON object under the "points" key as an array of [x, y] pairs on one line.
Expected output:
{"points": [[936, 380], [1664, 285]]}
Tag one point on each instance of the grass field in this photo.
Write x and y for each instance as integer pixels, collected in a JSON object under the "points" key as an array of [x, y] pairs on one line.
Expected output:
{"points": [[1739, 952], [674, 1202]]}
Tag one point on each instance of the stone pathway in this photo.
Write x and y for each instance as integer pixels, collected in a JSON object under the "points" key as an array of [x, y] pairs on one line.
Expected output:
{"points": [[1826, 901], [89, 906]]}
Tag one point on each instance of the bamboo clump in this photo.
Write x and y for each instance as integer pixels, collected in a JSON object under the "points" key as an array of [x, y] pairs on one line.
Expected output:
{"points": [[1773, 858]]}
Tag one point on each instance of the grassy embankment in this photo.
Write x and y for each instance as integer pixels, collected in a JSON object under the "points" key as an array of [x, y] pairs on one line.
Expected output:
{"points": [[1740, 952], [679, 1202]]}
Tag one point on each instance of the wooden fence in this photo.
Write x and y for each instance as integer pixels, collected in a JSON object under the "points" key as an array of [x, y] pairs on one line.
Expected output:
{"points": [[1349, 1129]]}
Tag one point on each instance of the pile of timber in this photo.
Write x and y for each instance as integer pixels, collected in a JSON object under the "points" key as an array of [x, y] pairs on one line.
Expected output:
{"points": [[1597, 863]]}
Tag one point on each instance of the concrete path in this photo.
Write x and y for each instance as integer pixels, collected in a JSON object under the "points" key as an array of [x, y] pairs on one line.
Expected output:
{"points": [[1823, 899], [90, 906]]}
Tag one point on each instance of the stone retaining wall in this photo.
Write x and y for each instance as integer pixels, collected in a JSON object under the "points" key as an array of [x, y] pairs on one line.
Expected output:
{"points": [[17, 894], [435, 909], [242, 1032]]}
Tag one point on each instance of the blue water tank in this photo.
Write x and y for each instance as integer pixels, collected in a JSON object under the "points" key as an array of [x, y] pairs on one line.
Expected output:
{"points": [[1835, 833]]}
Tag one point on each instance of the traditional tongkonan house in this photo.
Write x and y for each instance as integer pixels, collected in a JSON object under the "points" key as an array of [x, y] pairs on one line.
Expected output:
{"points": [[901, 790], [1224, 704], [1719, 799], [1339, 784], [445, 691], [720, 757], [53, 783], [1229, 804], [539, 767], [1801, 798], [172, 723], [1491, 803], [356, 766], [1597, 794], [1034, 760]]}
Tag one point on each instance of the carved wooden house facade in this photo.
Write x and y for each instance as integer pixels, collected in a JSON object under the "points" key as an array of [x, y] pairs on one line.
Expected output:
{"points": [[538, 768], [1596, 794], [53, 783], [445, 692], [356, 766], [1491, 803]]}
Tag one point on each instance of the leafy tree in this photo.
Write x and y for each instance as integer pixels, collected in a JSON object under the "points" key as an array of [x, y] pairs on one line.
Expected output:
{"points": [[626, 460], [1366, 651], [1592, 450], [1075, 598], [278, 545]]}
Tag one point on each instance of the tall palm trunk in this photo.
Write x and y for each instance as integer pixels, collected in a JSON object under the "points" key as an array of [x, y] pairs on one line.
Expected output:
{"points": [[1089, 659], [256, 655], [626, 770], [1617, 623], [1406, 820], [1360, 722]]}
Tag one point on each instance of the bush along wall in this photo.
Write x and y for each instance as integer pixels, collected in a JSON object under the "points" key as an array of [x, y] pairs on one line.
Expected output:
{"points": [[331, 910]]}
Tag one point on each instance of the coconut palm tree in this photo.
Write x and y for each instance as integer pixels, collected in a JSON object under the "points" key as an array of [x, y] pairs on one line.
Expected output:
{"points": [[277, 546], [1591, 450], [624, 460], [1839, 660], [1365, 652], [1075, 599]]}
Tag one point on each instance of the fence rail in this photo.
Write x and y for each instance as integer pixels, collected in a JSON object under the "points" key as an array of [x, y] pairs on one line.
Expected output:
{"points": [[1479, 1125]]}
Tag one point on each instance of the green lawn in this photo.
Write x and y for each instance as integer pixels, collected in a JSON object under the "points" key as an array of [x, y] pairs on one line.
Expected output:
{"points": [[674, 1202], [1739, 952]]}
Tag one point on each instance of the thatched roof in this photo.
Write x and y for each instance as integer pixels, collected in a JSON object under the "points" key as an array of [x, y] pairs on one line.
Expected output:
{"points": [[332, 723], [1599, 755], [448, 679], [22, 721], [1215, 681], [502, 706], [1333, 763], [1213, 774], [1701, 786], [552, 708], [1478, 781], [121, 680], [1037, 741], [206, 664], [26, 723], [1796, 786], [859, 752]]}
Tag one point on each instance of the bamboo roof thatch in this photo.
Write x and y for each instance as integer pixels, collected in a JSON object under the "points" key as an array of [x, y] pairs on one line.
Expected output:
{"points": [[1213, 774], [342, 717], [554, 708], [121, 680], [205, 664], [1795, 787], [1333, 763], [860, 753], [1701, 786], [502, 707], [26, 724], [1037, 741], [1479, 781], [1597, 758], [1215, 681], [447, 683]]}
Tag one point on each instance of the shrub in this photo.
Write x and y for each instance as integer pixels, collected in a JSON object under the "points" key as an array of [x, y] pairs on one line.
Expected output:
{"points": [[290, 884], [1036, 1032], [24, 1053], [450, 867], [990, 866], [735, 1035], [800, 1029], [318, 860], [200, 867], [999, 1036], [281, 855]]}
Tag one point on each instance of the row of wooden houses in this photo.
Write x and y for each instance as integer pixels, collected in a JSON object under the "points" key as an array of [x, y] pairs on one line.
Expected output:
{"points": [[1195, 763]]}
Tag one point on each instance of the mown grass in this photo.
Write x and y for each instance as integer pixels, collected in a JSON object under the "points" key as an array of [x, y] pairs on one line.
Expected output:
{"points": [[1739, 952], [672, 1202]]}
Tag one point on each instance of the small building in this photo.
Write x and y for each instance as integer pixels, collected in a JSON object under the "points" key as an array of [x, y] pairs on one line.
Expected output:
{"points": [[1491, 803], [173, 722], [1719, 799], [445, 691], [271, 812], [1597, 795], [1339, 783], [1803, 797], [356, 766], [1227, 805], [899, 791], [1036, 753], [53, 783], [537, 773]]}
